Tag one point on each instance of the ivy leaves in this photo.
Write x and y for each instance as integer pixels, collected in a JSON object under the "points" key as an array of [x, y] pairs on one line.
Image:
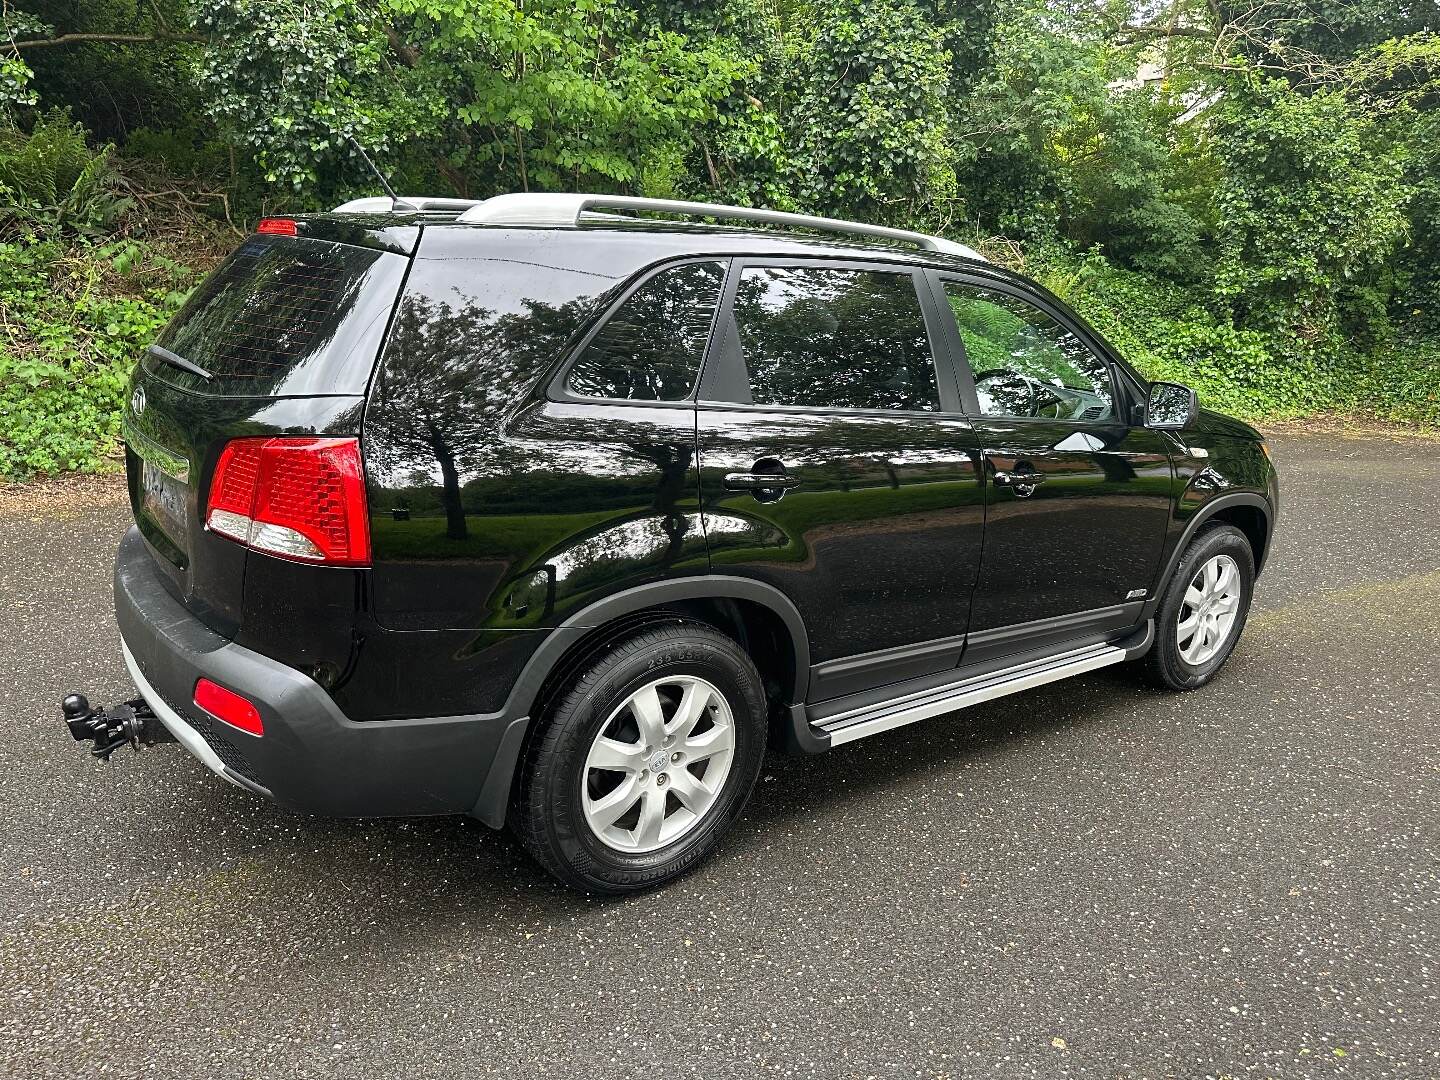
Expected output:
{"points": [[289, 81], [500, 94], [1309, 206], [871, 124]]}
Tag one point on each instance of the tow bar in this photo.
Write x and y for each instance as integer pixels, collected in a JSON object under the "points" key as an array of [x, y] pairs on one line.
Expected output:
{"points": [[131, 724]]}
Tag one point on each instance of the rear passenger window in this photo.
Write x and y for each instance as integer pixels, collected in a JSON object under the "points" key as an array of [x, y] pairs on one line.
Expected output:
{"points": [[650, 349], [840, 339]]}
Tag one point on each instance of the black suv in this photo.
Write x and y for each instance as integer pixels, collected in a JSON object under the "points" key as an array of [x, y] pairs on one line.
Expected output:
{"points": [[543, 511]]}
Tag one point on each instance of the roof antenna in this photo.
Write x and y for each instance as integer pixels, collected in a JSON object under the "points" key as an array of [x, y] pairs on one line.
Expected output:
{"points": [[396, 203]]}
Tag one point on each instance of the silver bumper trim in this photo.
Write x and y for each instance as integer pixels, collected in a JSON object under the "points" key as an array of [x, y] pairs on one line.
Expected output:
{"points": [[184, 734]]}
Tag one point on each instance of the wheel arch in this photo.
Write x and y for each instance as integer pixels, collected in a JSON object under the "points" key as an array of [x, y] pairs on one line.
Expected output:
{"points": [[1252, 519], [758, 615], [1248, 511]]}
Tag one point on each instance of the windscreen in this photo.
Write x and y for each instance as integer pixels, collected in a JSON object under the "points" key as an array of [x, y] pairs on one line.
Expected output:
{"points": [[283, 317]]}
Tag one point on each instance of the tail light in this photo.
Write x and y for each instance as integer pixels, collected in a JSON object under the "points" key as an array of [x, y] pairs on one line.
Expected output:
{"points": [[228, 706], [295, 498]]}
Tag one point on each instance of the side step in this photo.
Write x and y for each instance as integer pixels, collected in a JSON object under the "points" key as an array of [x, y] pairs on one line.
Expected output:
{"points": [[858, 723]]}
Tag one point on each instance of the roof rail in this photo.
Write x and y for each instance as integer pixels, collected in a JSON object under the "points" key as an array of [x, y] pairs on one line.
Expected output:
{"points": [[382, 204], [566, 209]]}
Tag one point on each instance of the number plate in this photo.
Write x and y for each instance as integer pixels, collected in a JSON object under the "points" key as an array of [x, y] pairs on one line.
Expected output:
{"points": [[163, 498]]}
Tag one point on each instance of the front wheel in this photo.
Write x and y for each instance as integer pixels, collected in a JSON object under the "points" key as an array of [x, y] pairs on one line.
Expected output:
{"points": [[644, 760], [1203, 609]]}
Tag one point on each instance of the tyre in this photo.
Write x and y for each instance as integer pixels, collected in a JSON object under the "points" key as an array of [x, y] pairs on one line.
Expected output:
{"points": [[1203, 609], [644, 759]]}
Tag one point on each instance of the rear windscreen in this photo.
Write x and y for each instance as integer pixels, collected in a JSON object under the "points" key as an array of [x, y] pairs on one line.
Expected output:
{"points": [[282, 317]]}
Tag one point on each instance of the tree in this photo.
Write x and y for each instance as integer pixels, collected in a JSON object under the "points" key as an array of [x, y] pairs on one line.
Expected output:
{"points": [[1309, 207], [870, 122]]}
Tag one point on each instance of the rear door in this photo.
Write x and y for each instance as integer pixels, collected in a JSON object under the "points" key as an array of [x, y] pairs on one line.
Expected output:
{"points": [[834, 465], [281, 338], [503, 500], [1077, 498]]}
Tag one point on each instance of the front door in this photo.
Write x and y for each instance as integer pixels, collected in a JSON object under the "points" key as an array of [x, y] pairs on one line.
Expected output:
{"points": [[834, 465], [1077, 499]]}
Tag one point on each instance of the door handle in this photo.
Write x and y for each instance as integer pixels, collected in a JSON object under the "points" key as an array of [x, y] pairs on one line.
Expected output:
{"points": [[753, 481], [1019, 479]]}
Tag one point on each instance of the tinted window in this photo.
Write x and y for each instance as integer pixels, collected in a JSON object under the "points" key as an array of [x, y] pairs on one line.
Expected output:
{"points": [[650, 349], [1025, 363], [285, 316], [845, 339], [470, 338]]}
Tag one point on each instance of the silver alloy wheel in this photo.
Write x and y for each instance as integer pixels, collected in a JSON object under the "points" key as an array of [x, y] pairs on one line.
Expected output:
{"points": [[1208, 610], [658, 764]]}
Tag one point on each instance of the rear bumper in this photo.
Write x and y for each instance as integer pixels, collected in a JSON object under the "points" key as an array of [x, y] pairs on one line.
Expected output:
{"points": [[311, 757], [184, 733]]}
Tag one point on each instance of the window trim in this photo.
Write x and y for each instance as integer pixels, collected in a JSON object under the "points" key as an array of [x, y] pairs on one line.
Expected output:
{"points": [[724, 361], [1123, 384], [557, 390]]}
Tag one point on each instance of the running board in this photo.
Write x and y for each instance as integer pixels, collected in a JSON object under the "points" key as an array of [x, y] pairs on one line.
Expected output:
{"points": [[858, 723]]}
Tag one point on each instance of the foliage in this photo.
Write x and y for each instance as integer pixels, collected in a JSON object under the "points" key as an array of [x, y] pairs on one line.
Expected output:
{"points": [[489, 94], [110, 87], [1244, 197], [1175, 332], [283, 77], [870, 125], [65, 357], [1055, 144], [50, 179], [79, 299], [1310, 206]]}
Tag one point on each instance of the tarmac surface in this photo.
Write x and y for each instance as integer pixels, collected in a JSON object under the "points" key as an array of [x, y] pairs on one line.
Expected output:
{"points": [[1091, 879]]}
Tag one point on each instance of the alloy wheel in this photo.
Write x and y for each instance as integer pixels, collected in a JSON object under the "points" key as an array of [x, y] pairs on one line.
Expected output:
{"points": [[658, 764], [1208, 610]]}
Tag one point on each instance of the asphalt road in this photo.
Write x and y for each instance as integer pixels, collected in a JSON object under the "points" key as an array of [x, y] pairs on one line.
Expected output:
{"points": [[1088, 880]]}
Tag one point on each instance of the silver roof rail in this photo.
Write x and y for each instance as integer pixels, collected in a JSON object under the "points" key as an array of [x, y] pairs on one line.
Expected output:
{"points": [[381, 204], [566, 210]]}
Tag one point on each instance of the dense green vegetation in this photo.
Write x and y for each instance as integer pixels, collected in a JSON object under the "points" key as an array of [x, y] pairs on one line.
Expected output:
{"points": [[1243, 197]]}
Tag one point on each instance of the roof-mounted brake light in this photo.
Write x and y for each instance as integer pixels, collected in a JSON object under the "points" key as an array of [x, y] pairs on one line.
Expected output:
{"points": [[276, 226]]}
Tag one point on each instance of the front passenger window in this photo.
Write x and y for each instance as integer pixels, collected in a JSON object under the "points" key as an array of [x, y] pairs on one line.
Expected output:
{"points": [[1024, 362]]}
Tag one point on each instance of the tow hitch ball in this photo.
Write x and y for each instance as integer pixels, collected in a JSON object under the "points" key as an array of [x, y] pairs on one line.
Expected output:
{"points": [[131, 724]]}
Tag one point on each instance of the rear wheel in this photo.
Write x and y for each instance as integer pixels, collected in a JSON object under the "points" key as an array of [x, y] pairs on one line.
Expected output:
{"points": [[1203, 609], [644, 760]]}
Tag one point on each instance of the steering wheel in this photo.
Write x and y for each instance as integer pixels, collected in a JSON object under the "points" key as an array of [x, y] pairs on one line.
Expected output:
{"points": [[1010, 378]]}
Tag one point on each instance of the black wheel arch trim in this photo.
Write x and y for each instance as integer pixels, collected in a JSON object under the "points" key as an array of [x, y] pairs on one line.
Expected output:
{"points": [[1203, 514], [494, 800]]}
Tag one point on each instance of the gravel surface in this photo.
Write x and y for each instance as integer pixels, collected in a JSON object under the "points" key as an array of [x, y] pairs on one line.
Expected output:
{"points": [[1087, 880]]}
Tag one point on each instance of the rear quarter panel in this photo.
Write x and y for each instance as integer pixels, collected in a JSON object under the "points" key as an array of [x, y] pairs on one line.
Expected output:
{"points": [[494, 509]]}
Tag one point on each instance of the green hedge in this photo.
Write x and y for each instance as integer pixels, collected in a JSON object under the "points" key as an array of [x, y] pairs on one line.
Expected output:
{"points": [[1170, 331], [81, 294]]}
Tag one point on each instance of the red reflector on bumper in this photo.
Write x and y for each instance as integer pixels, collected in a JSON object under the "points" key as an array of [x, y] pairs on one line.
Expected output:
{"points": [[228, 706]]}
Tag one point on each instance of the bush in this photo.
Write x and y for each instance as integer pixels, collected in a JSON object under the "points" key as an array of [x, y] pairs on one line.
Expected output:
{"points": [[51, 180], [76, 318], [1177, 332], [1402, 383], [79, 299]]}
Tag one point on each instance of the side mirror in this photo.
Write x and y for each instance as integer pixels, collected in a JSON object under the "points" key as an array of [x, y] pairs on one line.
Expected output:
{"points": [[1171, 406]]}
